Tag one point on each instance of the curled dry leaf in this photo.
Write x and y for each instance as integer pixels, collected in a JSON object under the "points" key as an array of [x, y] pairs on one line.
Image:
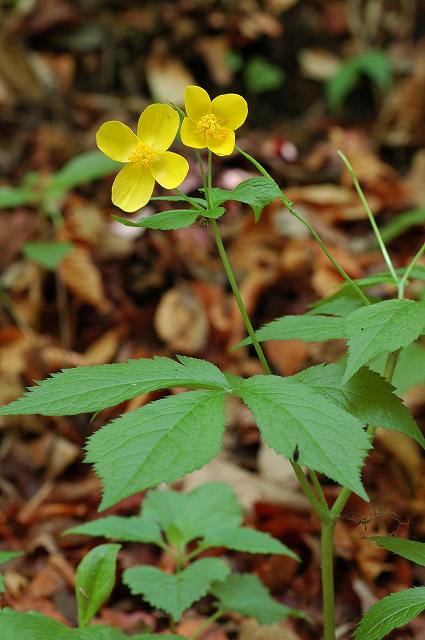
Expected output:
{"points": [[80, 274], [181, 321]]}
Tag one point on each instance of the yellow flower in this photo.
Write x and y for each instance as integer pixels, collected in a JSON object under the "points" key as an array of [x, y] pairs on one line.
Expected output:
{"points": [[212, 124], [146, 155]]}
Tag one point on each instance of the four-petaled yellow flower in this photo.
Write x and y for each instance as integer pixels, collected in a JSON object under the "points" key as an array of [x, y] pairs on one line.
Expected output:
{"points": [[212, 123], [146, 155]]}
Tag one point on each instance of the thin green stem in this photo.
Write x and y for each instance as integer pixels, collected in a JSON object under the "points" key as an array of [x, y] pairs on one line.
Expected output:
{"points": [[315, 503], [370, 215], [290, 206], [204, 178], [209, 169], [190, 200], [403, 281], [318, 488], [328, 588], [199, 631], [235, 289]]}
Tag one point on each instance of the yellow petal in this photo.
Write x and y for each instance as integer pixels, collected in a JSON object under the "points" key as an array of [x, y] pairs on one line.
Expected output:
{"points": [[223, 144], [158, 126], [192, 136], [197, 102], [132, 187], [169, 169], [116, 140], [231, 110]]}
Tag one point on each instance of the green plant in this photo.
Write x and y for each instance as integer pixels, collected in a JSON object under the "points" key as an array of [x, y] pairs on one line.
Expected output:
{"points": [[399, 608], [186, 525], [375, 65], [322, 419]]}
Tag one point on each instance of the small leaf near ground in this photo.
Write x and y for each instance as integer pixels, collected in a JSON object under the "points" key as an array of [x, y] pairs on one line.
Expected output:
{"points": [[132, 529], [409, 549], [47, 254], [246, 540], [392, 612]]}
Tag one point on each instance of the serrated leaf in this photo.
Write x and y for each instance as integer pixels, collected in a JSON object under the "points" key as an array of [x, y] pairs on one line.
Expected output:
{"points": [[341, 303], [47, 254], [246, 594], [367, 395], [381, 328], [166, 220], [175, 593], [201, 201], [293, 417], [131, 529], [159, 442], [93, 388], [196, 512], [257, 192], [409, 549], [94, 580], [392, 612], [11, 197], [308, 328], [245, 540], [80, 170]]}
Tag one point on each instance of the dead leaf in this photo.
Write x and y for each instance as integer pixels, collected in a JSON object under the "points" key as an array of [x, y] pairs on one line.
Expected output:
{"points": [[80, 274], [166, 75]]}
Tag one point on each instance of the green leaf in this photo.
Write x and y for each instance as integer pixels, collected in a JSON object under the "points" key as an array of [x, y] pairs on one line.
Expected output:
{"points": [[166, 220], [257, 192], [261, 76], [410, 549], [308, 328], [246, 594], [373, 64], [15, 625], [342, 303], [410, 370], [401, 223], [392, 612], [80, 170], [175, 593], [381, 328], [47, 254], [244, 539], [367, 396], [131, 529], [293, 417], [94, 580], [196, 512], [159, 442], [11, 197], [93, 388]]}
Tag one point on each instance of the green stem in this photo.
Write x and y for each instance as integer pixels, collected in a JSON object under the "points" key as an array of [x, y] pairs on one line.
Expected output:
{"points": [[209, 170], [402, 282], [235, 289], [319, 490], [199, 631], [328, 588], [315, 503], [289, 205], [370, 215], [190, 200]]}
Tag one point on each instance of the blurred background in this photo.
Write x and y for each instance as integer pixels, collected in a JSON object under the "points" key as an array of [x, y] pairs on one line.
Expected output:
{"points": [[77, 288]]}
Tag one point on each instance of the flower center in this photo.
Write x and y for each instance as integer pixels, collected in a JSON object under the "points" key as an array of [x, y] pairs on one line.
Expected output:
{"points": [[209, 124], [143, 155]]}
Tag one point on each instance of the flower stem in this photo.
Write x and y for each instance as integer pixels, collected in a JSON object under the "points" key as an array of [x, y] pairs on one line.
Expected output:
{"points": [[290, 206], [402, 282], [328, 588], [370, 215]]}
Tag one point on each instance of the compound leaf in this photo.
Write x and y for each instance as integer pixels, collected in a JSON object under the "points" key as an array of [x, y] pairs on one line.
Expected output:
{"points": [[308, 328], [174, 593], [293, 417], [367, 395], [129, 529], [257, 192], [166, 220], [194, 513], [246, 540], [390, 613], [381, 328], [94, 580], [95, 387], [410, 549], [246, 594], [159, 442]]}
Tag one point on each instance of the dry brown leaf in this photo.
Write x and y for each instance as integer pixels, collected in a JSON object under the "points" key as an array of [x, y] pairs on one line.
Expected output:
{"points": [[181, 321], [405, 450], [318, 64], [189, 626], [166, 75], [102, 350], [252, 630], [80, 274]]}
